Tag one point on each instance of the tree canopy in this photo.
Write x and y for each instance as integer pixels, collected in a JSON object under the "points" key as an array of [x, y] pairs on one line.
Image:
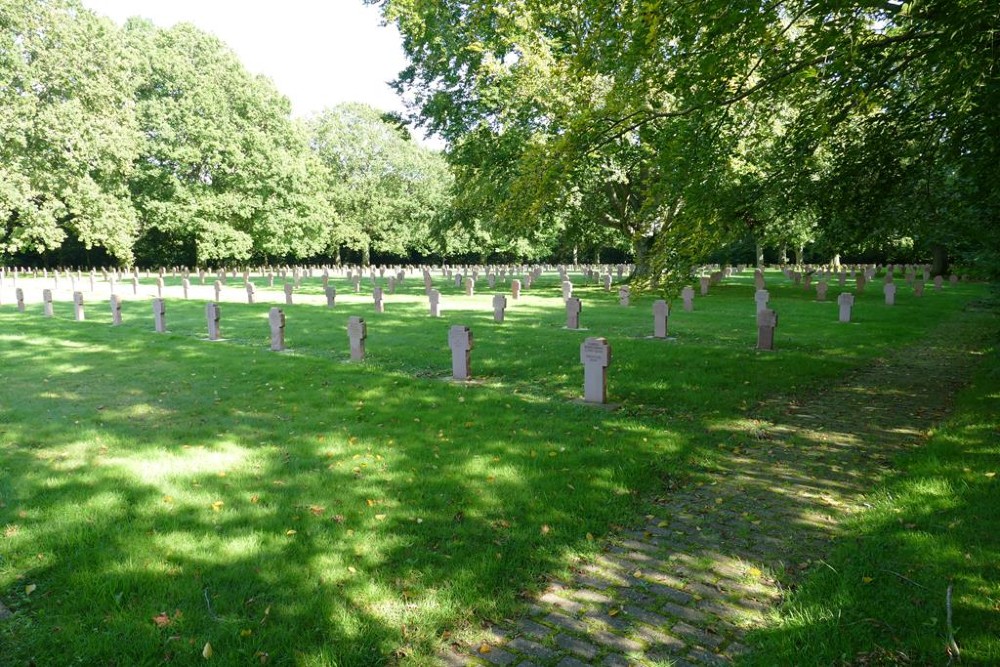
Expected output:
{"points": [[679, 124]]}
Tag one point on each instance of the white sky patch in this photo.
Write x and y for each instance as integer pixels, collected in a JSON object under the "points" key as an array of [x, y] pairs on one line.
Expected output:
{"points": [[318, 53]]}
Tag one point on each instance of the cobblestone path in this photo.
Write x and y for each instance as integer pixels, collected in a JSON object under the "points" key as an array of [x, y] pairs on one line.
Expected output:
{"points": [[712, 559]]}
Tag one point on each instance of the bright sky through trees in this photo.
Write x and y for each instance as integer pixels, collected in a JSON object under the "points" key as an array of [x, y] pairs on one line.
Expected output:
{"points": [[319, 54]]}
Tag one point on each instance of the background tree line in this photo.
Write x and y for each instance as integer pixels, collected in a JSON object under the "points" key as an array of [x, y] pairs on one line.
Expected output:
{"points": [[150, 145], [664, 131]]}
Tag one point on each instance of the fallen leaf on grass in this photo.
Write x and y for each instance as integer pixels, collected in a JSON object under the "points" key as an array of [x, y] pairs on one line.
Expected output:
{"points": [[289, 533], [207, 651], [29, 589], [754, 572], [485, 648], [867, 580], [161, 620], [217, 506]]}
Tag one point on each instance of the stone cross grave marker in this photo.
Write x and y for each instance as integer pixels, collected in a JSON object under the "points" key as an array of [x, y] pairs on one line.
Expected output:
{"points": [[661, 311], [767, 321], [687, 294], [515, 289], [860, 283], [491, 280], [357, 332], [705, 281], [470, 286], [289, 288], [185, 286], [135, 284], [758, 279], [460, 342], [78, 313], [116, 310], [567, 290], [47, 302], [821, 288], [159, 287], [918, 288], [356, 281], [499, 306], [213, 315], [251, 292], [19, 295], [458, 279], [573, 307], [938, 283], [595, 355], [607, 282], [379, 303], [889, 289], [392, 285], [276, 319], [761, 296], [331, 296], [218, 290], [846, 303], [434, 301], [953, 279], [624, 296], [159, 315]]}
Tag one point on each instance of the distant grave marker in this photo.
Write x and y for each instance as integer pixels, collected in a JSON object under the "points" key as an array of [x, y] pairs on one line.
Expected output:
{"points": [[276, 320], [213, 315], [767, 322], [159, 315], [846, 303], [661, 311], [499, 306], [573, 307]]}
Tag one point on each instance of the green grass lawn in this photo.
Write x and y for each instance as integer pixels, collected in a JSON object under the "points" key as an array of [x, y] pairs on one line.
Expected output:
{"points": [[883, 597], [160, 492]]}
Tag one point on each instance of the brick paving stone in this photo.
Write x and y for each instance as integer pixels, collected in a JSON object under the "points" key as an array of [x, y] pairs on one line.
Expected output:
{"points": [[687, 613], [566, 622], [570, 661], [532, 649], [527, 626], [587, 595], [578, 646], [616, 660], [703, 657], [561, 602], [614, 641], [498, 656]]}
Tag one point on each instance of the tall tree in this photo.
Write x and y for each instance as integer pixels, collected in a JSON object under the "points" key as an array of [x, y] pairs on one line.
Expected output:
{"points": [[68, 134], [386, 188], [664, 92], [224, 174]]}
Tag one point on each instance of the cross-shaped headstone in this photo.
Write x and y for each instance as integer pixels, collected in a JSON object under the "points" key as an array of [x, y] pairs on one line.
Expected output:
{"points": [[289, 289], [159, 315], [251, 292], [357, 332], [434, 302], [595, 355], [460, 342], [889, 289], [212, 315], [687, 294], [78, 314], [515, 289], [846, 302], [705, 281], [624, 295], [276, 319], [19, 295], [761, 296], [767, 321], [661, 311], [821, 288], [573, 307], [499, 306], [377, 296], [567, 289], [470, 286], [47, 302], [116, 310]]}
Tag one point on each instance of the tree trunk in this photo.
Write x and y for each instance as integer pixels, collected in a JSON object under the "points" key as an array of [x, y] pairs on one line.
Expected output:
{"points": [[783, 255], [799, 252], [760, 255], [641, 247], [939, 256], [836, 261], [366, 255]]}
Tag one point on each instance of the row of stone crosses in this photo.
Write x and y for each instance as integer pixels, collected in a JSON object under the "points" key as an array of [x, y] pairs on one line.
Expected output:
{"points": [[595, 352]]}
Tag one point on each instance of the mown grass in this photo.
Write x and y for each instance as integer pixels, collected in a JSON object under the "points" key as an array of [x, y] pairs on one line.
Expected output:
{"points": [[882, 597], [159, 492]]}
